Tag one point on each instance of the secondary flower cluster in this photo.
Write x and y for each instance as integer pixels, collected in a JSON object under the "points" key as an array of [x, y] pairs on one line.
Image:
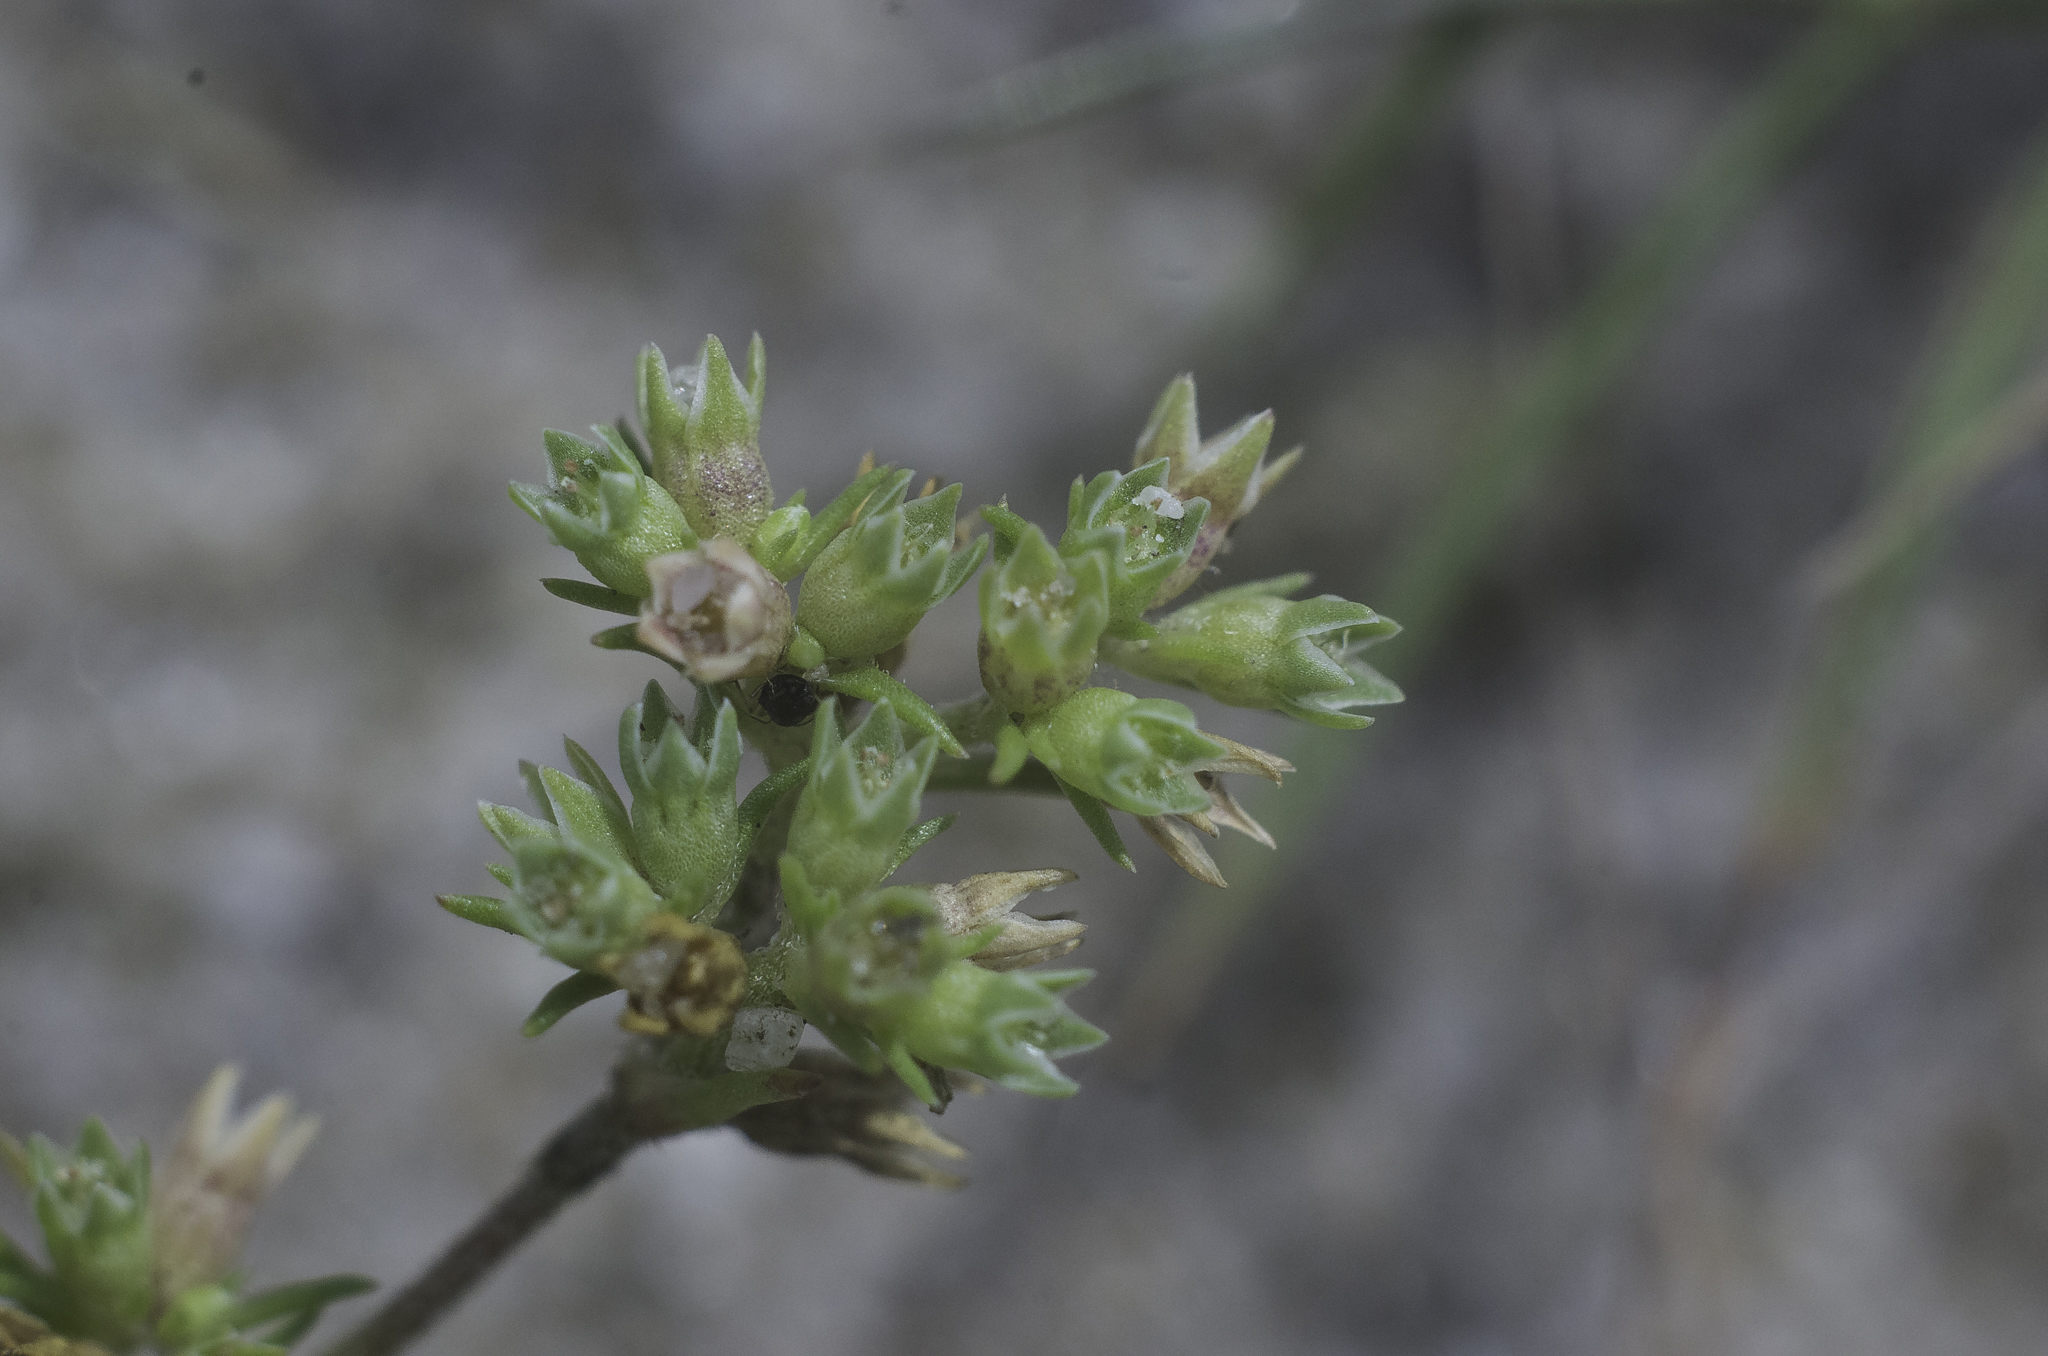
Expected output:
{"points": [[733, 922], [135, 1258]]}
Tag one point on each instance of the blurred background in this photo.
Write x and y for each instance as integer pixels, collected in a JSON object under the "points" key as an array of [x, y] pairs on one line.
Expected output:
{"points": [[1669, 974]]}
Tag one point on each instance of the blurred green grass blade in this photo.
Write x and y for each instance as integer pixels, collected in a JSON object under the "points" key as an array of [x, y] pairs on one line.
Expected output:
{"points": [[1746, 156], [1098, 75], [1381, 137], [1973, 367], [1752, 149], [1918, 502]]}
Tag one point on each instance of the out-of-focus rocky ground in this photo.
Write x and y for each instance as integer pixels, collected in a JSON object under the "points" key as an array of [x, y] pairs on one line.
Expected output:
{"points": [[1504, 1058]]}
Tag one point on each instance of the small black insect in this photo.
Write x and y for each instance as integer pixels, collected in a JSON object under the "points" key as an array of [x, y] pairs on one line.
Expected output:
{"points": [[787, 699]]}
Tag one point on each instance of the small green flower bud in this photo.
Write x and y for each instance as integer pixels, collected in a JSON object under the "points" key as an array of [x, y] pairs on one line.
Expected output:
{"points": [[681, 978], [704, 433], [600, 505], [220, 1171], [870, 587], [685, 818], [1138, 754], [1042, 616], [1250, 646], [1007, 1027], [1228, 470], [860, 800], [716, 612], [984, 906], [882, 968], [92, 1203], [575, 903], [1143, 530]]}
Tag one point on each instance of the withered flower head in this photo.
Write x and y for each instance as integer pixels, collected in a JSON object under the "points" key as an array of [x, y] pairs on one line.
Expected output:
{"points": [[716, 611], [220, 1171], [867, 1119], [990, 899], [685, 978], [1178, 835]]}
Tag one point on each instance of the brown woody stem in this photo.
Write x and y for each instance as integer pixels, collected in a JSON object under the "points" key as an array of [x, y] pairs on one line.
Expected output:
{"points": [[578, 1155]]}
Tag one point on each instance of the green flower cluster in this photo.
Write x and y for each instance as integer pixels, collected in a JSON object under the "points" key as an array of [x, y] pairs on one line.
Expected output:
{"points": [[135, 1259], [734, 922]]}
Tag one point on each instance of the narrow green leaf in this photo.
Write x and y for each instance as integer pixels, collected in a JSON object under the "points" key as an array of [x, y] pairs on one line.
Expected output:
{"points": [[593, 595], [536, 790], [1995, 325], [291, 1301], [872, 683], [762, 800], [621, 638], [594, 776], [567, 996], [916, 837], [1096, 816], [482, 909]]}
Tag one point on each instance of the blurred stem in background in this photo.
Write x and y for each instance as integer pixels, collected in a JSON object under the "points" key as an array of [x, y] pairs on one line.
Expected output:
{"points": [[1969, 413], [1529, 432]]}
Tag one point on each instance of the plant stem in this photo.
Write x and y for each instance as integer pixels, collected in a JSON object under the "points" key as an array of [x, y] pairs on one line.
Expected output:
{"points": [[581, 1153], [971, 774]]}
